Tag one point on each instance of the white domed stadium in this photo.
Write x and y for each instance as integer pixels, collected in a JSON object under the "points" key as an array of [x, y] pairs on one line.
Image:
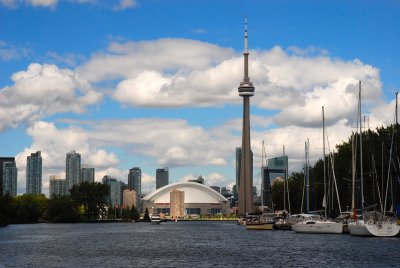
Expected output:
{"points": [[185, 198]]}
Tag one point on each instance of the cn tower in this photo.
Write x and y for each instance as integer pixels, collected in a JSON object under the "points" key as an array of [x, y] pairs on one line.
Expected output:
{"points": [[246, 90]]}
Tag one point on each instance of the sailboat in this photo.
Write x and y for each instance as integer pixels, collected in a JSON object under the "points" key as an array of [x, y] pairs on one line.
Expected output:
{"points": [[358, 227], [320, 226], [373, 223]]}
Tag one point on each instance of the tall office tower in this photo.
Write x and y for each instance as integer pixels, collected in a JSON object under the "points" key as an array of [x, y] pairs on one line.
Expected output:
{"points": [[135, 182], [73, 169], [9, 178], [265, 188], [115, 191], [238, 169], [58, 186], [246, 90], [87, 174], [3, 160], [34, 173], [162, 177]]}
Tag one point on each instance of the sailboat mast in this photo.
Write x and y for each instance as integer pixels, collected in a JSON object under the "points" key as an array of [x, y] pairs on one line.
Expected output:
{"points": [[284, 183], [323, 157], [361, 151], [308, 177], [353, 174]]}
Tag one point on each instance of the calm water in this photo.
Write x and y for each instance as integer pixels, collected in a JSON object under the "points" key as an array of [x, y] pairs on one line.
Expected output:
{"points": [[186, 244]]}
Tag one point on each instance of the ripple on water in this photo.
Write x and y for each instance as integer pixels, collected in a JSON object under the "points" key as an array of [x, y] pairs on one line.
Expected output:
{"points": [[186, 244]]}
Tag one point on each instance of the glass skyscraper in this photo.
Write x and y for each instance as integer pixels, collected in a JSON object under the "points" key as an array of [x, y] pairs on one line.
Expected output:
{"points": [[73, 169], [2, 161], [162, 177], [58, 186], [87, 174], [9, 178], [135, 182], [34, 173], [115, 191]]}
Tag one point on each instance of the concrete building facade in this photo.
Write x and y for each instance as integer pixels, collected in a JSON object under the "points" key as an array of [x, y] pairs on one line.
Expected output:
{"points": [[129, 198]]}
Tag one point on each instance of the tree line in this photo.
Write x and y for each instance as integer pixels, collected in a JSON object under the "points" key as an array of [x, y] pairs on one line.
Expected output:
{"points": [[85, 202], [380, 175]]}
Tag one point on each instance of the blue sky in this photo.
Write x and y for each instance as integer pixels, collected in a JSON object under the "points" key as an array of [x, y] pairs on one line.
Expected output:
{"points": [[154, 83]]}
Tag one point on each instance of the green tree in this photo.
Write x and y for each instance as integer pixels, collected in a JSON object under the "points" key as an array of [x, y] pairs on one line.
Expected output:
{"points": [[135, 216], [146, 215], [92, 196], [28, 208], [5, 209], [62, 209]]}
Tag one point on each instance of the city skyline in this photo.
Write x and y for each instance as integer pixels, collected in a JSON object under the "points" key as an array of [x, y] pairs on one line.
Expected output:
{"points": [[127, 91]]}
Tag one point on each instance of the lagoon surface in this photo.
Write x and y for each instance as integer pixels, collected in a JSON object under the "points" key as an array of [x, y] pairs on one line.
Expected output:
{"points": [[186, 244]]}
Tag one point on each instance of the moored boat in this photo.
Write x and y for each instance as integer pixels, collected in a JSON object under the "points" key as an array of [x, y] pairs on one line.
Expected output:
{"points": [[358, 228], [318, 227], [155, 219], [260, 226]]}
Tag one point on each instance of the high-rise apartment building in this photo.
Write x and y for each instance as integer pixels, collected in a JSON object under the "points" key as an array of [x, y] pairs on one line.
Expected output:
{"points": [[58, 186], [87, 174], [34, 173], [73, 169], [135, 183], [3, 160], [115, 194], [162, 177], [9, 178]]}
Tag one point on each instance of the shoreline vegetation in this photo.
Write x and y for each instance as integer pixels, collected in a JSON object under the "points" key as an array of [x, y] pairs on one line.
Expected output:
{"points": [[86, 202]]}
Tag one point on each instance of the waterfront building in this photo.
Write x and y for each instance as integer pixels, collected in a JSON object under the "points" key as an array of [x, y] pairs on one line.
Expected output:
{"points": [[58, 186], [87, 174], [73, 169], [9, 178], [129, 198], [34, 173], [3, 160], [135, 182], [177, 203], [114, 196], [162, 177], [191, 197]]}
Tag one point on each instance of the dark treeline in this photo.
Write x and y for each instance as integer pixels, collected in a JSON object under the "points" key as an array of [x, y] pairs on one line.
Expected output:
{"points": [[85, 202], [376, 148]]}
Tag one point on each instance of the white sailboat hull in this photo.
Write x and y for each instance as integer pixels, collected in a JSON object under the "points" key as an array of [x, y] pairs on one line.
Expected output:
{"points": [[359, 228], [318, 227], [383, 228]]}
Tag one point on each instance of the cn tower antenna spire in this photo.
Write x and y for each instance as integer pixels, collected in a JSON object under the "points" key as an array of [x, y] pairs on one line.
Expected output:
{"points": [[246, 47]]}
